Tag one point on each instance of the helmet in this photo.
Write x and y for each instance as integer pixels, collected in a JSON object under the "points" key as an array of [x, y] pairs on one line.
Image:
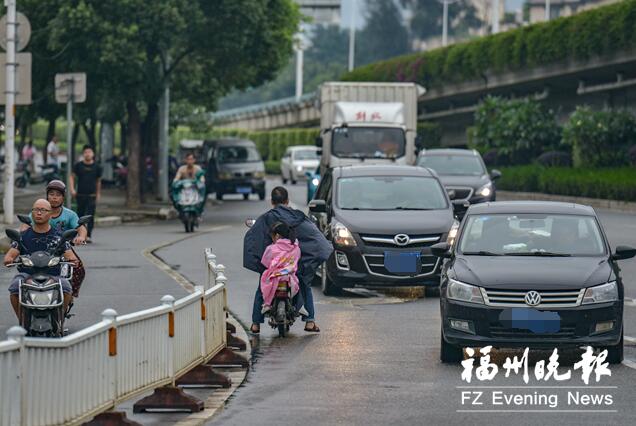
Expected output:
{"points": [[57, 185]]}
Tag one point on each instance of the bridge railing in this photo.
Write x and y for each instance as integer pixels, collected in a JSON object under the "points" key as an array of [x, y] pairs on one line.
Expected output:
{"points": [[71, 379]]}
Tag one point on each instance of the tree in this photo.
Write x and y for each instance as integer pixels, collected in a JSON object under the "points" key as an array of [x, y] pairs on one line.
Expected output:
{"points": [[427, 16], [384, 35], [132, 51]]}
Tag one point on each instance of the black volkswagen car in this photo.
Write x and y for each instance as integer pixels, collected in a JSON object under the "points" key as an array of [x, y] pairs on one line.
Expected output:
{"points": [[382, 221], [531, 274], [462, 172]]}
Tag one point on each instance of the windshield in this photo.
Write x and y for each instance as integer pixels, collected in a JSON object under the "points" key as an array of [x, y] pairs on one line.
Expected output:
{"points": [[532, 234], [368, 142], [459, 165], [390, 193], [238, 154], [306, 154]]}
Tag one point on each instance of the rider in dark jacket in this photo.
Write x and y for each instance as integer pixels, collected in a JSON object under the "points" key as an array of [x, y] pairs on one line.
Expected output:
{"points": [[314, 247]]}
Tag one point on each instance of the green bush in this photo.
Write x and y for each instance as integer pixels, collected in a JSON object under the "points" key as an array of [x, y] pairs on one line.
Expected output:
{"points": [[606, 183], [519, 129], [430, 133], [596, 32], [600, 138], [272, 167]]}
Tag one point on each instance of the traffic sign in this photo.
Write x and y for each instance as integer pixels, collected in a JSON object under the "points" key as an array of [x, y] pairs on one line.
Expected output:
{"points": [[23, 32], [22, 78], [70, 87]]}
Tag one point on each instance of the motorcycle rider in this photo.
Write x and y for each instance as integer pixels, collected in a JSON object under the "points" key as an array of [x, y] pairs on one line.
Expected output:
{"points": [[190, 170], [41, 236], [314, 247]]}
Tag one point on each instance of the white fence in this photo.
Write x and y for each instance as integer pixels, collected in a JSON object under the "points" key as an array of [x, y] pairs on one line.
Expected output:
{"points": [[69, 380]]}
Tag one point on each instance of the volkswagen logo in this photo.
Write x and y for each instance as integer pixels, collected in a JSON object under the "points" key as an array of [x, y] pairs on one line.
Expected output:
{"points": [[532, 298], [401, 239]]}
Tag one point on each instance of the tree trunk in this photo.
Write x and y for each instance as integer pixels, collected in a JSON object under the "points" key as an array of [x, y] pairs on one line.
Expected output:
{"points": [[74, 138], [50, 132], [149, 136], [122, 138], [133, 140]]}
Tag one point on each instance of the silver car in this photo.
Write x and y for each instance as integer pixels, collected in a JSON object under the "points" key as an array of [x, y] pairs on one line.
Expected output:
{"points": [[298, 160]]}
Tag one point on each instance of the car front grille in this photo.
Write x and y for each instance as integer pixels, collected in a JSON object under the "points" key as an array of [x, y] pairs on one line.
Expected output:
{"points": [[549, 298], [415, 241], [512, 333], [375, 265], [461, 193]]}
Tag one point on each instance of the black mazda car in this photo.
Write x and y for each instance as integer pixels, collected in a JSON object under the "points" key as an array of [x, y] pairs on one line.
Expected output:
{"points": [[382, 221], [531, 274]]}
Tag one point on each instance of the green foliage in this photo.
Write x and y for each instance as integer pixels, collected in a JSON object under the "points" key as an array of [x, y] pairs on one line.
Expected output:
{"points": [[606, 183], [596, 32], [520, 130], [272, 167], [430, 133], [600, 138]]}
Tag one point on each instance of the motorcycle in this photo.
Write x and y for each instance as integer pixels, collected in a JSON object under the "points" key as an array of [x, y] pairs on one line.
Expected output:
{"points": [[23, 177], [282, 314], [188, 197], [41, 296]]}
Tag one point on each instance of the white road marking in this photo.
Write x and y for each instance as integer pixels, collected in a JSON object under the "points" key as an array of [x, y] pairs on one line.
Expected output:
{"points": [[630, 302], [630, 341], [629, 363]]}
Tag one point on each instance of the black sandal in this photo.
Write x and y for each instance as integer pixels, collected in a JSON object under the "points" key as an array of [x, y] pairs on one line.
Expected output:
{"points": [[257, 331], [313, 329]]}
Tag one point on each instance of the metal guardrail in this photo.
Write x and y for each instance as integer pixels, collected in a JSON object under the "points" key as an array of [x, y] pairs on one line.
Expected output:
{"points": [[285, 103], [72, 379]]}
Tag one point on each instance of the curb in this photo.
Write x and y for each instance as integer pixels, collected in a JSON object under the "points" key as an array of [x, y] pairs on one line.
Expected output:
{"points": [[597, 203]]}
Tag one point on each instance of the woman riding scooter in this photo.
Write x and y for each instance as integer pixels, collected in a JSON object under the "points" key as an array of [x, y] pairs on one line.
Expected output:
{"points": [[63, 219], [188, 193]]}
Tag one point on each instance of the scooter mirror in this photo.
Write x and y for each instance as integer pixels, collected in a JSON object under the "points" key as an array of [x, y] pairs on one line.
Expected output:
{"points": [[250, 222], [84, 220], [13, 234], [24, 219], [69, 234]]}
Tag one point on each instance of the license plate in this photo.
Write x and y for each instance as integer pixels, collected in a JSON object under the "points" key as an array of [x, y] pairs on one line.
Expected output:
{"points": [[402, 262], [244, 190], [531, 319]]}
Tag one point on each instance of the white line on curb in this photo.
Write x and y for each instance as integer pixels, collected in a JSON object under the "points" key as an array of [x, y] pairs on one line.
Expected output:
{"points": [[630, 341], [629, 363], [630, 302]]}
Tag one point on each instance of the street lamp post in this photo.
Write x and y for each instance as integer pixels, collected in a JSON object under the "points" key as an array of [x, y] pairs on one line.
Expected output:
{"points": [[445, 4], [299, 47], [352, 36], [495, 16], [547, 10], [9, 112]]}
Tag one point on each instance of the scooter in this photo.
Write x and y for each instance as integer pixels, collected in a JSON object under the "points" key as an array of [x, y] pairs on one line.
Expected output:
{"points": [[188, 197], [48, 173], [41, 296], [282, 314]]}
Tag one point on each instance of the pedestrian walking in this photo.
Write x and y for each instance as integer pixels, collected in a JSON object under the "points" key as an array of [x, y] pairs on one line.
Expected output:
{"points": [[86, 186], [28, 155], [53, 153]]}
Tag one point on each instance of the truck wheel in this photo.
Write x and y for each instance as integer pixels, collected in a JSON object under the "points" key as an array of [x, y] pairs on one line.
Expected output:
{"points": [[615, 353], [327, 285], [219, 195], [449, 354]]}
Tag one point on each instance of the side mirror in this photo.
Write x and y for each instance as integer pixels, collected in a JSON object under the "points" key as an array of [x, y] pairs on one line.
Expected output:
{"points": [[309, 175], [24, 219], [495, 174], [13, 235], [319, 141], [622, 252], [460, 205], [441, 250], [451, 194], [318, 206], [250, 222], [84, 220], [69, 234]]}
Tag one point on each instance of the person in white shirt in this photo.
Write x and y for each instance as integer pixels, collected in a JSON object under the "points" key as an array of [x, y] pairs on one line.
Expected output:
{"points": [[53, 152]]}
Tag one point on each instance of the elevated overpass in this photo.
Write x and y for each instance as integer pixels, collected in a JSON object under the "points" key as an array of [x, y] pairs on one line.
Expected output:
{"points": [[600, 82]]}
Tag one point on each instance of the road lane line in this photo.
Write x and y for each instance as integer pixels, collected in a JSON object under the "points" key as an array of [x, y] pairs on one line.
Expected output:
{"points": [[629, 341], [629, 363]]}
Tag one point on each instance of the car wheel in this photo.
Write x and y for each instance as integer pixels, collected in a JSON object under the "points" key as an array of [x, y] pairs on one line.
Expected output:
{"points": [[219, 195], [261, 195], [449, 354], [431, 291], [293, 181], [283, 176], [615, 353], [246, 196], [327, 286]]}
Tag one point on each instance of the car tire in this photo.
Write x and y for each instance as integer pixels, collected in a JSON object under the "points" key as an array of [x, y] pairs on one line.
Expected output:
{"points": [[261, 195], [449, 354], [219, 195], [615, 353], [293, 181], [327, 286], [431, 291], [246, 196], [284, 178]]}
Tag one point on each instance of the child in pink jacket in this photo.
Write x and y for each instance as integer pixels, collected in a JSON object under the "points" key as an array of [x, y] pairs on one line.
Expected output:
{"points": [[281, 260]]}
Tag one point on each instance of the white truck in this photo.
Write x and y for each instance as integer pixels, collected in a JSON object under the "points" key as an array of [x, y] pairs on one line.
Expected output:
{"points": [[368, 123]]}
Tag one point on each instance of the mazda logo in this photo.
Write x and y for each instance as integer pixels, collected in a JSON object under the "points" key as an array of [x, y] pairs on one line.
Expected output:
{"points": [[401, 239], [532, 298]]}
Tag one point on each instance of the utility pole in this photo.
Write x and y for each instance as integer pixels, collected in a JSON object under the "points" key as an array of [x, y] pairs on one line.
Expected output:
{"points": [[70, 84], [299, 47], [164, 128], [445, 25], [352, 36], [547, 10], [9, 112], [495, 16]]}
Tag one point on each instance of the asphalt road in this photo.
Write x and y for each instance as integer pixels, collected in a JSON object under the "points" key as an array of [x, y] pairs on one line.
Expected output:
{"points": [[376, 359]]}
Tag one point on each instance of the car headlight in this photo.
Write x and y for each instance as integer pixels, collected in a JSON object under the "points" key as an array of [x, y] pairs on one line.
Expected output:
{"points": [[54, 261], [452, 234], [26, 261], [225, 175], [601, 293], [315, 181], [41, 298], [259, 175], [485, 190], [342, 236], [464, 292], [299, 169]]}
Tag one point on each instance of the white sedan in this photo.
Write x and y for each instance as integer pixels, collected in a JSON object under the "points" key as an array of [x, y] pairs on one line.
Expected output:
{"points": [[297, 161]]}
